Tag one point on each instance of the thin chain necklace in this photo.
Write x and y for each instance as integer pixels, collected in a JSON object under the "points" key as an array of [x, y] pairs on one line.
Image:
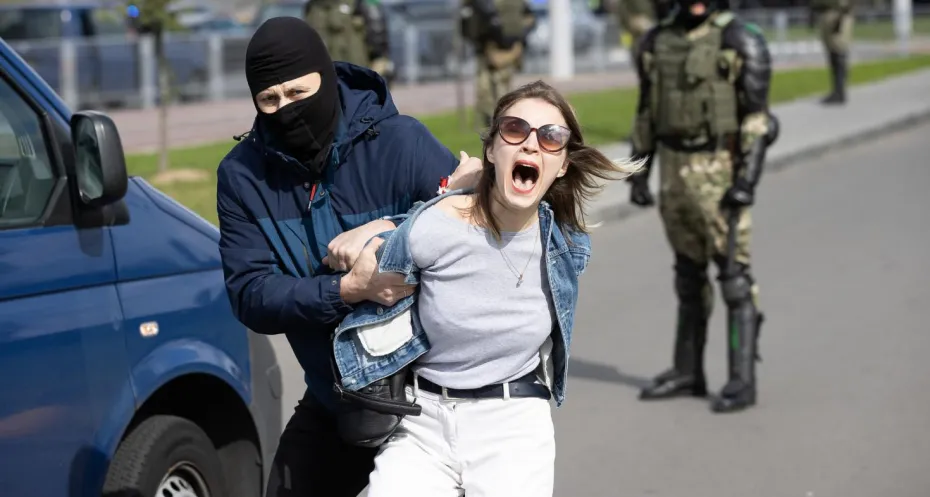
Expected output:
{"points": [[510, 265]]}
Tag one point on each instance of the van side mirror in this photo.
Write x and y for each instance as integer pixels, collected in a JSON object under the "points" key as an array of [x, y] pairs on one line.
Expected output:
{"points": [[100, 165]]}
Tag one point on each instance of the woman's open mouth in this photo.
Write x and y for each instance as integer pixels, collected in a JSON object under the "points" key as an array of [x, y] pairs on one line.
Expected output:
{"points": [[525, 175]]}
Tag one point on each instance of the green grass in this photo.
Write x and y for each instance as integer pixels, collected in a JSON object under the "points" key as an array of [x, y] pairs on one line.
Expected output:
{"points": [[862, 31], [605, 115]]}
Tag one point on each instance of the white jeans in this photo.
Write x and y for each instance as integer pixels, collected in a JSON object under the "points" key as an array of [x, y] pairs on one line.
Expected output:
{"points": [[475, 448]]}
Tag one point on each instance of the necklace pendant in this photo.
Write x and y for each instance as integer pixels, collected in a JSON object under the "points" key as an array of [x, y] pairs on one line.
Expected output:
{"points": [[520, 280]]}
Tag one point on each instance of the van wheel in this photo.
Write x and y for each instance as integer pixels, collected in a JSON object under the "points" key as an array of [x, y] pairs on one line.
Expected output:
{"points": [[165, 456]]}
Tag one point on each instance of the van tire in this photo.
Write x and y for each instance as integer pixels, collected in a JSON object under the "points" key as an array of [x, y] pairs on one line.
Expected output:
{"points": [[157, 446]]}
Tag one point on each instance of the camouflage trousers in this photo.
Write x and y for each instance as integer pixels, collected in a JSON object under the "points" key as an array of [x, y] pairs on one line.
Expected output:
{"points": [[491, 84], [836, 30], [691, 186]]}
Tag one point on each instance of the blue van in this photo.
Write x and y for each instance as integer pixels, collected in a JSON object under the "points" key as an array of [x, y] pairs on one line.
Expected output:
{"points": [[122, 368]]}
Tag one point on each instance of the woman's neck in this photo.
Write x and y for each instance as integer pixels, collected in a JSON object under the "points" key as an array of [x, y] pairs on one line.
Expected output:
{"points": [[513, 220]]}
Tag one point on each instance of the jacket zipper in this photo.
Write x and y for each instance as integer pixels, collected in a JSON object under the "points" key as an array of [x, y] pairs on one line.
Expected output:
{"points": [[306, 252]]}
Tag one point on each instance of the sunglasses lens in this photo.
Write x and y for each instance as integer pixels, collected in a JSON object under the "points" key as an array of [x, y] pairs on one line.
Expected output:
{"points": [[553, 137], [514, 130]]}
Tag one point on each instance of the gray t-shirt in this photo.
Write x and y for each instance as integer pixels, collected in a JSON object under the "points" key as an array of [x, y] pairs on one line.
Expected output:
{"points": [[483, 328]]}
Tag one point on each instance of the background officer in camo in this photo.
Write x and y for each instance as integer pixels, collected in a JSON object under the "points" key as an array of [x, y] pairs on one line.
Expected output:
{"points": [[354, 31], [636, 17], [835, 19], [703, 110], [497, 29]]}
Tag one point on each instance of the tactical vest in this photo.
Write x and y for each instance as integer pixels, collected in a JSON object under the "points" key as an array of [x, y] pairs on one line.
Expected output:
{"points": [[342, 30], [825, 4], [510, 13], [638, 8], [693, 93]]}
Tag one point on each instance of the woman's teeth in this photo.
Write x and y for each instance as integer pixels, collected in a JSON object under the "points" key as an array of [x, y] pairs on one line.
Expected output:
{"points": [[524, 178]]}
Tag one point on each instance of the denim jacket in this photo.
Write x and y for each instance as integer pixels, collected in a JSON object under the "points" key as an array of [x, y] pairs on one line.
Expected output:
{"points": [[358, 365]]}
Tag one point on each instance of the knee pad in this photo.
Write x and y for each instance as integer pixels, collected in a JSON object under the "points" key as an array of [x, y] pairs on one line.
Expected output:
{"points": [[738, 289], [690, 278]]}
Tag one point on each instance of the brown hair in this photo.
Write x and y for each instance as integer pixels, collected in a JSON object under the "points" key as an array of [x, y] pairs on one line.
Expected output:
{"points": [[567, 194]]}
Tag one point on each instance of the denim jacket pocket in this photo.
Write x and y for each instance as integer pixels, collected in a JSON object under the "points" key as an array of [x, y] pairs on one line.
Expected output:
{"points": [[385, 337], [580, 260]]}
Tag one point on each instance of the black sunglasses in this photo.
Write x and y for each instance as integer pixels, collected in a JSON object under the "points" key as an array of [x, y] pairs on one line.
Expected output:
{"points": [[551, 137]]}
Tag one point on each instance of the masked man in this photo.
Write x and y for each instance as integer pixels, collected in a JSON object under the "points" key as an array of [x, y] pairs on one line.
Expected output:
{"points": [[326, 165], [703, 109]]}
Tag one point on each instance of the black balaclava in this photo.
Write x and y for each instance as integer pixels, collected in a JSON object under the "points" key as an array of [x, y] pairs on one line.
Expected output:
{"points": [[691, 21], [282, 49]]}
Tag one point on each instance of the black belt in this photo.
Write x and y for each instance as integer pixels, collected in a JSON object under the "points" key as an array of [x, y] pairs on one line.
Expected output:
{"points": [[712, 144], [525, 386]]}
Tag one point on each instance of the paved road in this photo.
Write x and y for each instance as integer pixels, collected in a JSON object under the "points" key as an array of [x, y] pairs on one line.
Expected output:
{"points": [[841, 258]]}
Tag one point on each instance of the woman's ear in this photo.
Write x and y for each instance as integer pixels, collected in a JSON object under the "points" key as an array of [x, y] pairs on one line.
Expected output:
{"points": [[489, 153], [563, 169]]}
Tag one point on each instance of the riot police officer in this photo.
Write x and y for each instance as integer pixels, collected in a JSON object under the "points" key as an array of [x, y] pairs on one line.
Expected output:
{"points": [[354, 31], [835, 19], [636, 17], [377, 38], [497, 29], [704, 110]]}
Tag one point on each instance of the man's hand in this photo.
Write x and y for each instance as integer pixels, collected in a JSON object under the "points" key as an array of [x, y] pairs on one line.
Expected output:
{"points": [[467, 174], [365, 282], [639, 191], [741, 194], [344, 250]]}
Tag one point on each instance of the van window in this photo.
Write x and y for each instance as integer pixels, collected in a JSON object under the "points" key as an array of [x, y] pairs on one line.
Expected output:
{"points": [[26, 173], [30, 24]]}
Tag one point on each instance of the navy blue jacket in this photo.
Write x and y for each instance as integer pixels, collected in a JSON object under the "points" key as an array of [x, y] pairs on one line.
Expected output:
{"points": [[273, 237]]}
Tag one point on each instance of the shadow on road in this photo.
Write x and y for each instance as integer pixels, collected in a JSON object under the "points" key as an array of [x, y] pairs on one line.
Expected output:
{"points": [[581, 368]]}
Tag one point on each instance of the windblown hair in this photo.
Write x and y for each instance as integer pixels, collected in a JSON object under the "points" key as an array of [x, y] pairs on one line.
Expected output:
{"points": [[568, 194]]}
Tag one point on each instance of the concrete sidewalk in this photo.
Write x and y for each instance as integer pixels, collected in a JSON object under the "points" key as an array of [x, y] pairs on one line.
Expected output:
{"points": [[807, 128]]}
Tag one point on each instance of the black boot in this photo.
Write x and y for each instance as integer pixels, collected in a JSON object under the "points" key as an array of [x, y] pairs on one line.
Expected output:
{"points": [[743, 325], [695, 301], [838, 71]]}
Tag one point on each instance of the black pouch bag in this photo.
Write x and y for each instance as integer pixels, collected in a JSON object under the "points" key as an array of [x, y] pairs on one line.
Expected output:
{"points": [[369, 416]]}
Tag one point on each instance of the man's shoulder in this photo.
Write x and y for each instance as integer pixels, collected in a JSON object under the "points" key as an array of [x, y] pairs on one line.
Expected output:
{"points": [[743, 36], [404, 125], [411, 136]]}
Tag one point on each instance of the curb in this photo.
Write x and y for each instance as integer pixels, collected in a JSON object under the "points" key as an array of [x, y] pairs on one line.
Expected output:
{"points": [[619, 210]]}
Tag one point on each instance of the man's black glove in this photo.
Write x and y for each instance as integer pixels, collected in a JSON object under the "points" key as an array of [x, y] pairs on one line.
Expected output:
{"points": [[741, 194], [639, 191]]}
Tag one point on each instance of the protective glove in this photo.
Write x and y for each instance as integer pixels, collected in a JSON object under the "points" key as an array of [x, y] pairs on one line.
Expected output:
{"points": [[639, 191], [741, 194]]}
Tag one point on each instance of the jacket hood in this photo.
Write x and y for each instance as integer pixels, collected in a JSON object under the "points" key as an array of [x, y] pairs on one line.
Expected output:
{"points": [[365, 101]]}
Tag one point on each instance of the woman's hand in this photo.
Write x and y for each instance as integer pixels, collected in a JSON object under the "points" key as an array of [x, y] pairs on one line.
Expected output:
{"points": [[365, 282], [467, 174]]}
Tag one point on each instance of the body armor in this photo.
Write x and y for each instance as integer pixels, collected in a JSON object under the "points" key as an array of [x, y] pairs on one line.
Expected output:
{"points": [[342, 28], [693, 91], [827, 4]]}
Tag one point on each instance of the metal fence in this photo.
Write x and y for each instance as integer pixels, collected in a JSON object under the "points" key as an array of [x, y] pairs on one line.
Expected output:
{"points": [[120, 71]]}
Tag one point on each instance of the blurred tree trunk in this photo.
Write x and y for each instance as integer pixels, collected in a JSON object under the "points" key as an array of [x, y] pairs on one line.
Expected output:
{"points": [[164, 96], [155, 17]]}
